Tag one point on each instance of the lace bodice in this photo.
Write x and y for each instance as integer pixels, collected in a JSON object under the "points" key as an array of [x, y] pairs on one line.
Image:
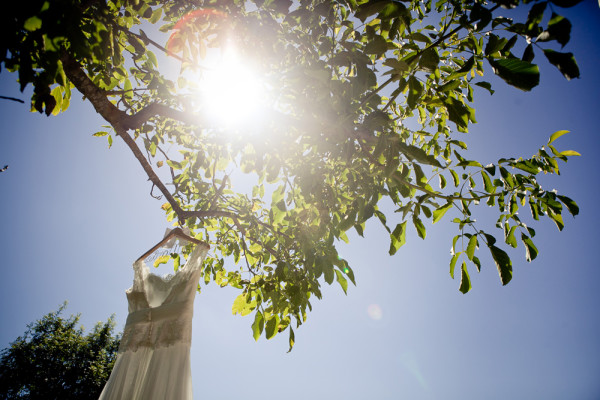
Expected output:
{"points": [[160, 309]]}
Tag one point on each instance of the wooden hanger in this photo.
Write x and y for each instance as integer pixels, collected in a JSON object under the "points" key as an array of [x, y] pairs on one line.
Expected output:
{"points": [[178, 232]]}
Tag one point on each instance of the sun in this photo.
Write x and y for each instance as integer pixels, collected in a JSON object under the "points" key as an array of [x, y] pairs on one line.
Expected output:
{"points": [[231, 92]]}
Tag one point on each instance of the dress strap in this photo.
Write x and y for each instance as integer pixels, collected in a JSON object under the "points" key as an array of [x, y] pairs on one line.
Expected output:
{"points": [[140, 271]]}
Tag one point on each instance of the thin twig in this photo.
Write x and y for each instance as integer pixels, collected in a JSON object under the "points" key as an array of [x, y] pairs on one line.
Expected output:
{"points": [[12, 99]]}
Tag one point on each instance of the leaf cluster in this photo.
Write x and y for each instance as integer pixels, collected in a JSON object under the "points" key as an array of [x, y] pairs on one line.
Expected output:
{"points": [[369, 104], [56, 359]]}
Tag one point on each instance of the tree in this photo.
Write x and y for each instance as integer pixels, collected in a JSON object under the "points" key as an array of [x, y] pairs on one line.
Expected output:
{"points": [[55, 359], [365, 104]]}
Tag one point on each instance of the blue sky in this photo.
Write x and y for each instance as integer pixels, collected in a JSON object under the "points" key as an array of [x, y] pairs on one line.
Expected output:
{"points": [[75, 215]]}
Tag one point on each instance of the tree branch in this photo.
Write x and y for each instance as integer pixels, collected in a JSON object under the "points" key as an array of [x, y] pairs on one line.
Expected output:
{"points": [[118, 119], [150, 172], [136, 120], [12, 98], [93, 93], [121, 122]]}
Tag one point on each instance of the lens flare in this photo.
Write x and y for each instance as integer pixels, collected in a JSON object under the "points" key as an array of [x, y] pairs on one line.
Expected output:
{"points": [[375, 312], [226, 89], [191, 18], [410, 364], [231, 91]]}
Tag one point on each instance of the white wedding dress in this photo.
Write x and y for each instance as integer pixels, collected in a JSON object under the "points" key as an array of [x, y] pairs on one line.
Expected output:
{"points": [[153, 362]]}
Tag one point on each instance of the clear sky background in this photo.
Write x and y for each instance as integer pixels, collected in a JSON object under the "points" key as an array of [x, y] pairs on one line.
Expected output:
{"points": [[75, 215]]}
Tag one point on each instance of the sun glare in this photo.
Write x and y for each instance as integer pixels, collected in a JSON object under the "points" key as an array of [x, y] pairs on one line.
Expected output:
{"points": [[232, 94]]}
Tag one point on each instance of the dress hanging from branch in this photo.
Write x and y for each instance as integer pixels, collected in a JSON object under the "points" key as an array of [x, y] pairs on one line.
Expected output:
{"points": [[154, 356]]}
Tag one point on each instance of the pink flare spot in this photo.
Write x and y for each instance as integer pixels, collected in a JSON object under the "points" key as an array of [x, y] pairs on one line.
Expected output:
{"points": [[192, 15], [375, 312]]}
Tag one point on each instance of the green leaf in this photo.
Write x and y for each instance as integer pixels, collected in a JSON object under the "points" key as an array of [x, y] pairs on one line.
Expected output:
{"points": [[526, 166], [490, 169], [152, 149], [531, 251], [174, 164], [453, 264], [128, 89], [418, 154], [454, 240], [277, 195], [565, 62], [152, 58], [101, 133], [420, 177], [469, 163], [442, 181], [462, 71], [272, 325], [429, 60], [161, 260], [350, 274], [451, 85], [342, 281], [490, 240], [556, 135], [398, 66], [292, 339], [503, 263], [398, 238], [528, 54], [487, 183], [376, 46], [419, 37], [471, 247], [507, 177], [454, 178], [32, 24], [477, 263], [569, 153], [494, 44], [426, 211], [415, 88], [518, 73], [238, 304], [570, 204], [248, 307], [459, 113], [258, 325], [382, 219], [439, 213], [155, 16], [482, 15], [559, 29], [510, 44], [557, 218], [328, 272], [368, 9], [278, 213], [419, 226], [510, 237], [536, 13], [486, 85], [465, 282], [393, 10], [347, 222], [110, 141]]}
